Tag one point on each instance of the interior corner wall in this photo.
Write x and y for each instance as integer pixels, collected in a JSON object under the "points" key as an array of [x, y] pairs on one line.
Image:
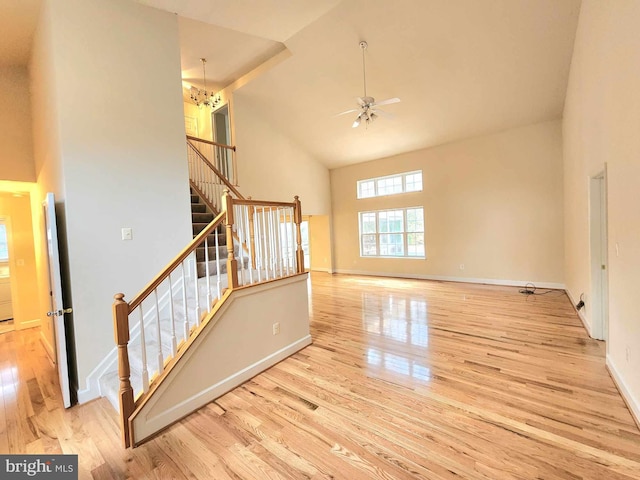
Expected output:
{"points": [[491, 203], [47, 160], [16, 144], [117, 155], [271, 166], [600, 126]]}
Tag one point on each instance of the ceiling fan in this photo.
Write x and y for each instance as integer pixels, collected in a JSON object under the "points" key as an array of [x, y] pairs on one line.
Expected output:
{"points": [[367, 106]]}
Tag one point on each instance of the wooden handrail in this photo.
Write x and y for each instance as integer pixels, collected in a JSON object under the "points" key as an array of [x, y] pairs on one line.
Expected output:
{"points": [[216, 171], [262, 203], [146, 291], [221, 145]]}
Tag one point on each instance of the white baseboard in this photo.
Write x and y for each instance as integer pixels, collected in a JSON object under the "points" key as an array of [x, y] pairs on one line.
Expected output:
{"points": [[580, 313], [28, 324], [487, 281], [632, 403], [325, 270], [92, 390], [48, 347]]}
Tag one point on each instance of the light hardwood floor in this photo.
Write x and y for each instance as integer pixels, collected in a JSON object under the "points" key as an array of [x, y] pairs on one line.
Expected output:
{"points": [[405, 379]]}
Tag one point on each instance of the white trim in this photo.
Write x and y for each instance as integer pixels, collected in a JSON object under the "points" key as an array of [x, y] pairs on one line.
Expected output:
{"points": [[326, 270], [632, 403], [488, 281], [36, 322], [580, 313], [48, 347]]}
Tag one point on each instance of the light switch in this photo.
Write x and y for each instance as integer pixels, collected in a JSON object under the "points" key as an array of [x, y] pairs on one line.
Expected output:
{"points": [[20, 262], [127, 234]]}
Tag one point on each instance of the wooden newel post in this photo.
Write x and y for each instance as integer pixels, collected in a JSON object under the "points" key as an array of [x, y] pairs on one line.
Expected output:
{"points": [[298, 219], [125, 395], [232, 263]]}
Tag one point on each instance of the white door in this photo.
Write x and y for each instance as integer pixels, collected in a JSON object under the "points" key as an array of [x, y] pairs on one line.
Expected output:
{"points": [[599, 267], [57, 311]]}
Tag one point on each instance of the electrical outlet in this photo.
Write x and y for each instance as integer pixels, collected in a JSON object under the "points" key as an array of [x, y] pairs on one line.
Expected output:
{"points": [[462, 266], [276, 328]]}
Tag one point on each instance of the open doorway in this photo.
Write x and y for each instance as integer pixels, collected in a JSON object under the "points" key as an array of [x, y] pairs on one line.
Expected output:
{"points": [[599, 257], [6, 304], [221, 123]]}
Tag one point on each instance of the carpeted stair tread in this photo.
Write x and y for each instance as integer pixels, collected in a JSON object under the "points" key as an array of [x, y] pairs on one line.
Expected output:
{"points": [[201, 217], [198, 208]]}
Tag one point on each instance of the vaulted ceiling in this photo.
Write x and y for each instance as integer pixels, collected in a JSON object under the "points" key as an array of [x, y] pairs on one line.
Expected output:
{"points": [[461, 67]]}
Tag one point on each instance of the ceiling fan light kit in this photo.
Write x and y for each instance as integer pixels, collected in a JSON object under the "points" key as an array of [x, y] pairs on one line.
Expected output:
{"points": [[367, 106]]}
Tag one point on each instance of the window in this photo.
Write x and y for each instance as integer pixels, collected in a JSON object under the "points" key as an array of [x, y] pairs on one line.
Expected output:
{"points": [[390, 185], [392, 233]]}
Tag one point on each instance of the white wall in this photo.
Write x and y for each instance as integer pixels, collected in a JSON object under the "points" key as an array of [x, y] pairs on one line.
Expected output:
{"points": [[16, 150], [119, 153], [601, 118], [271, 166], [492, 203], [46, 150]]}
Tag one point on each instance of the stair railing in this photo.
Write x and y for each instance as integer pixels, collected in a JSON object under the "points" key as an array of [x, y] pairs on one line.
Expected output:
{"points": [[182, 296], [212, 169]]}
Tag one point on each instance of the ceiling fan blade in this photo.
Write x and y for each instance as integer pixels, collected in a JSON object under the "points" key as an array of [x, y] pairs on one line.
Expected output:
{"points": [[348, 111], [382, 113], [357, 121], [388, 101]]}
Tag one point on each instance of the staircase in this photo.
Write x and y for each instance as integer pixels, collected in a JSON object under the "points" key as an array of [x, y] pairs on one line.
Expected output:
{"points": [[206, 323]]}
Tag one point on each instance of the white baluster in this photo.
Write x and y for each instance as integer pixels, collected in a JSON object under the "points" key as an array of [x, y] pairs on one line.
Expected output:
{"points": [[285, 251], [237, 210], [184, 302], [174, 342], [258, 244], [264, 242], [218, 274], [293, 242], [197, 289], [207, 272], [249, 246], [143, 353], [272, 252], [159, 335], [279, 240]]}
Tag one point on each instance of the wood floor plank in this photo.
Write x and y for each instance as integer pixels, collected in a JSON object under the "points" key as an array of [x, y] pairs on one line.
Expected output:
{"points": [[405, 379]]}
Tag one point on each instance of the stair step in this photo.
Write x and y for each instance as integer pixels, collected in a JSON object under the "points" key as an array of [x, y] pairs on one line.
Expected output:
{"points": [[202, 266], [198, 208], [201, 217], [222, 252], [195, 198]]}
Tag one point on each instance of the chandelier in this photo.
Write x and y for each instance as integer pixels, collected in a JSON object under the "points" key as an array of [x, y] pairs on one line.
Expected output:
{"points": [[202, 98]]}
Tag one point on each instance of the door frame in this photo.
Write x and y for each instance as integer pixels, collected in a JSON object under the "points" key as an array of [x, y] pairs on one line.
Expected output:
{"points": [[598, 248]]}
